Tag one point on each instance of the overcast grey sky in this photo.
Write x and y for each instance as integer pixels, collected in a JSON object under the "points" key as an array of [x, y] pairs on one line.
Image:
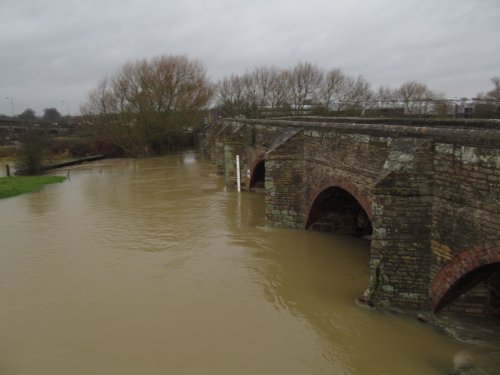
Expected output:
{"points": [[56, 50]]}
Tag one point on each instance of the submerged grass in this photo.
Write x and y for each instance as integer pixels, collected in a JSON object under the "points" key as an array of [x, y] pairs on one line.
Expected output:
{"points": [[12, 186]]}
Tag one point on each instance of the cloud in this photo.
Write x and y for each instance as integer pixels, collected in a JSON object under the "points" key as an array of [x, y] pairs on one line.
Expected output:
{"points": [[57, 50]]}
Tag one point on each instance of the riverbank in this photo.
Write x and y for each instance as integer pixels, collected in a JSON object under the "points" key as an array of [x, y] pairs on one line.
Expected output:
{"points": [[8, 164], [70, 162], [12, 186]]}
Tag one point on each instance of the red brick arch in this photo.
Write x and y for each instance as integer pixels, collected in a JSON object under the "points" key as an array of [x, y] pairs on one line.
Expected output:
{"points": [[460, 265], [344, 183]]}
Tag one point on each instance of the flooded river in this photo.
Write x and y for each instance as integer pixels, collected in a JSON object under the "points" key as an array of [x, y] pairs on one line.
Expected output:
{"points": [[151, 267]]}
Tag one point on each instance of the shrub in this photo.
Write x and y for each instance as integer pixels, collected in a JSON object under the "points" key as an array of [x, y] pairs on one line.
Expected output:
{"points": [[33, 152]]}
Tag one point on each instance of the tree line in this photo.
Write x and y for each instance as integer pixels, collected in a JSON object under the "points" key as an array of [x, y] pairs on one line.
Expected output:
{"points": [[150, 106], [309, 89], [269, 91], [50, 115]]}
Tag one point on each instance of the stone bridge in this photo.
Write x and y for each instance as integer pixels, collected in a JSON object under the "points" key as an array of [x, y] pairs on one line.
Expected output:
{"points": [[426, 193]]}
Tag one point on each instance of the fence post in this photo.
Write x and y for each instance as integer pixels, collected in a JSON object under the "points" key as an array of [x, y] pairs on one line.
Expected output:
{"points": [[7, 168]]}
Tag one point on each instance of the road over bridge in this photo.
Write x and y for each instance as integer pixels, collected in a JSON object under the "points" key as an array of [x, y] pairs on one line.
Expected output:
{"points": [[426, 192]]}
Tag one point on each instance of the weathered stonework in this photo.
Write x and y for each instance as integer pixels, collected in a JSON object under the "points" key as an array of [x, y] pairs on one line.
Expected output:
{"points": [[430, 189], [284, 184]]}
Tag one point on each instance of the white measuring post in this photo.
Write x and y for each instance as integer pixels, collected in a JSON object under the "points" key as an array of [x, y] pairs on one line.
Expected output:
{"points": [[238, 178]]}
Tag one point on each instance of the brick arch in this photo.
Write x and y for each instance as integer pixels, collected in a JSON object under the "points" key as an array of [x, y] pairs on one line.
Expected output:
{"points": [[344, 183], [459, 266]]}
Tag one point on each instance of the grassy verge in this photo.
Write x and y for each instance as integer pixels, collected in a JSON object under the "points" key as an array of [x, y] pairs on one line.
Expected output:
{"points": [[12, 186]]}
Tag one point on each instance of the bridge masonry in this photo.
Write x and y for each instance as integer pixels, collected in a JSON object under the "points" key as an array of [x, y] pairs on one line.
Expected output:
{"points": [[431, 192]]}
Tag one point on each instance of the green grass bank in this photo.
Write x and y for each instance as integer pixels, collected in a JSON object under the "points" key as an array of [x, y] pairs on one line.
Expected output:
{"points": [[12, 186]]}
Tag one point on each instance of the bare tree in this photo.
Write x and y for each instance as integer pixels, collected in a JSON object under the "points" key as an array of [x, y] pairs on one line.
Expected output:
{"points": [[279, 95], [178, 87], [251, 106], [495, 93], [263, 78], [331, 87], [100, 100], [305, 80], [387, 97], [263, 92], [417, 98], [489, 104], [152, 102], [231, 95], [360, 93], [344, 92]]}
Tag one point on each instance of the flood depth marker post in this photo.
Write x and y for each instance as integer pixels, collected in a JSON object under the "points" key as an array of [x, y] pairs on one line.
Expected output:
{"points": [[238, 178]]}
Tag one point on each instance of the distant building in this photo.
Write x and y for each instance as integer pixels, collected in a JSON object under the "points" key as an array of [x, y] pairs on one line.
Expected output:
{"points": [[473, 108]]}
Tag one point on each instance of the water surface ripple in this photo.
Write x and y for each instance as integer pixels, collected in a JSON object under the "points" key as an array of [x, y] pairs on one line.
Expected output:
{"points": [[151, 267]]}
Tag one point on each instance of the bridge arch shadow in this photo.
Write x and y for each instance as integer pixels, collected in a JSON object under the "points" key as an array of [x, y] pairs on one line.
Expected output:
{"points": [[338, 206], [258, 176], [469, 283], [258, 173]]}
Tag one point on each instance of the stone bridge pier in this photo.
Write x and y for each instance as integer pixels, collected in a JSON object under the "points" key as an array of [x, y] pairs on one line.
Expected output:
{"points": [[427, 195]]}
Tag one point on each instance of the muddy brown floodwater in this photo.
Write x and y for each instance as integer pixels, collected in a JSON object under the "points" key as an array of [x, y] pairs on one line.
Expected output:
{"points": [[151, 267]]}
